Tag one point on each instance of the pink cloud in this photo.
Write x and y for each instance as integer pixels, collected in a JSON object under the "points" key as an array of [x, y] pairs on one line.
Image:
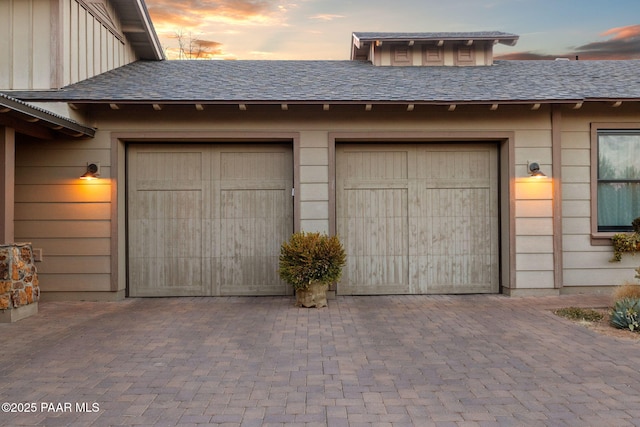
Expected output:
{"points": [[196, 13], [624, 44], [627, 32]]}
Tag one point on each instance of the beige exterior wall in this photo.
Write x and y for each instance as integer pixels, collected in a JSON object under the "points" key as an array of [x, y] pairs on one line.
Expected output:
{"points": [[314, 181], [25, 44], [69, 219], [586, 263], [534, 208], [451, 54], [80, 226], [48, 44]]}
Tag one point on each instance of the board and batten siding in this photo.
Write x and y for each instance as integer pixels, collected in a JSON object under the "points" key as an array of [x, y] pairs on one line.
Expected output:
{"points": [[67, 218], [25, 44], [49, 44], [90, 45]]}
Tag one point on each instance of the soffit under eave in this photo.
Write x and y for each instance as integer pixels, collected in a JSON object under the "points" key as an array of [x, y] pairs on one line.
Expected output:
{"points": [[201, 105], [138, 28], [39, 123], [509, 41]]}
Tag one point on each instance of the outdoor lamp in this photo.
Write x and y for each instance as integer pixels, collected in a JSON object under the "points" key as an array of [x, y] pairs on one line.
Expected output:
{"points": [[534, 170], [93, 172]]}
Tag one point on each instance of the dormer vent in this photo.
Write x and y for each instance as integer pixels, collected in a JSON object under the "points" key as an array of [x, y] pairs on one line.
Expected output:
{"points": [[429, 49]]}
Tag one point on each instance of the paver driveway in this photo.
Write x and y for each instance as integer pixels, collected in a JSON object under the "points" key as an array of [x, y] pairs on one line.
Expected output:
{"points": [[399, 360]]}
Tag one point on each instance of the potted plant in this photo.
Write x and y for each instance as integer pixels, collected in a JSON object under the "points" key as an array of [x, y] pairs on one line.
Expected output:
{"points": [[310, 262], [626, 242]]}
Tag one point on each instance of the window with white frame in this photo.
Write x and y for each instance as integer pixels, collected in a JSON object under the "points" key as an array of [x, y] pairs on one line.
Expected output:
{"points": [[618, 189]]}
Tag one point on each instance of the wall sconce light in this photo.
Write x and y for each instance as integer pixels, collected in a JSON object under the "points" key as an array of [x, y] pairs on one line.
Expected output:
{"points": [[534, 170], [93, 171]]}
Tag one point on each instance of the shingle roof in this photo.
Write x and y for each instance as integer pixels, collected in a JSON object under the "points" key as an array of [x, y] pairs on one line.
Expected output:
{"points": [[353, 81], [474, 35]]}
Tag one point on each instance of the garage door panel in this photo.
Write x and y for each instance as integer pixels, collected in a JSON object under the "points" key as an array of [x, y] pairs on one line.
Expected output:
{"points": [[463, 256], [156, 185], [454, 222], [167, 239], [249, 275], [260, 165], [376, 240], [169, 165], [456, 162], [363, 165], [214, 230], [158, 276], [448, 216], [374, 275], [256, 216], [251, 226], [161, 211]]}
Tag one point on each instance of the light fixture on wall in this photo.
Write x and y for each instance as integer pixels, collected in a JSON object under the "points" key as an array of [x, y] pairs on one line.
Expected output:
{"points": [[534, 170], [93, 171]]}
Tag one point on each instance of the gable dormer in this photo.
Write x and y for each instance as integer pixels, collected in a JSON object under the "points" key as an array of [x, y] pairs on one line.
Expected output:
{"points": [[429, 49]]}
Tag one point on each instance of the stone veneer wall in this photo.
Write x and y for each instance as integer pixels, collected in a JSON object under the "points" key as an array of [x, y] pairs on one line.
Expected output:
{"points": [[18, 277]]}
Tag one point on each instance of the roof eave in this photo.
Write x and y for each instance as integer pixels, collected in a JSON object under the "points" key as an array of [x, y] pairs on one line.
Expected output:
{"points": [[435, 102], [32, 115], [139, 22], [507, 39]]}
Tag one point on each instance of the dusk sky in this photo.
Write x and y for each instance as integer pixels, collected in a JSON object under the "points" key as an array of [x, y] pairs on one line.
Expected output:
{"points": [[321, 29]]}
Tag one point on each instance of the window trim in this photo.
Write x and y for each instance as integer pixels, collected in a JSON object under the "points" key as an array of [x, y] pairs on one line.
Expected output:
{"points": [[602, 238]]}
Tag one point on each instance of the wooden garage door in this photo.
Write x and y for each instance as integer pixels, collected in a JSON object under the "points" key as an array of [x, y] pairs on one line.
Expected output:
{"points": [[208, 219], [418, 219]]}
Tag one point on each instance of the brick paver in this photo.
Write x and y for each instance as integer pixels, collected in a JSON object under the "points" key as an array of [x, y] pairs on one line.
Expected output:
{"points": [[363, 361]]}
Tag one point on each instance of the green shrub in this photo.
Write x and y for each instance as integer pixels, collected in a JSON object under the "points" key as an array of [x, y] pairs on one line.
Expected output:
{"points": [[311, 257], [623, 242], [626, 242], [576, 313], [625, 314]]}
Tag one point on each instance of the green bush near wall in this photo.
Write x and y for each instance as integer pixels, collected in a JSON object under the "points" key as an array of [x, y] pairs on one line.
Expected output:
{"points": [[626, 242], [311, 257]]}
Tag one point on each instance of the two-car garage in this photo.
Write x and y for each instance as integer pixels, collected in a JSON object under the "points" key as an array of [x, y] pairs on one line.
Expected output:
{"points": [[208, 219]]}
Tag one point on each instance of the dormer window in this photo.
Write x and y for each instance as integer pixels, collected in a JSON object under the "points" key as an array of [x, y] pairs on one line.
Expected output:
{"points": [[429, 49]]}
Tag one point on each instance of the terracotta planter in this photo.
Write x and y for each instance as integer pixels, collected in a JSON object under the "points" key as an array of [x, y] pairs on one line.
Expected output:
{"points": [[314, 296]]}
